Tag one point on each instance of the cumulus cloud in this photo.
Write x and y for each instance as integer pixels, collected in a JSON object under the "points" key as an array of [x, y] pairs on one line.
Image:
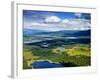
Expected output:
{"points": [[78, 15], [54, 23], [52, 19], [80, 24], [65, 21]]}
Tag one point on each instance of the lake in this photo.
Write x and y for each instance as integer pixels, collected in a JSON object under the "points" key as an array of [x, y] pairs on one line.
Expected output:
{"points": [[45, 64]]}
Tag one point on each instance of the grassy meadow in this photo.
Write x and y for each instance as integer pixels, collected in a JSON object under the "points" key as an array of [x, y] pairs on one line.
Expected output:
{"points": [[77, 54]]}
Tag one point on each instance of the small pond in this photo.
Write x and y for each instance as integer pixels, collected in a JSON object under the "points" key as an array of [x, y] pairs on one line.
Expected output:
{"points": [[45, 64]]}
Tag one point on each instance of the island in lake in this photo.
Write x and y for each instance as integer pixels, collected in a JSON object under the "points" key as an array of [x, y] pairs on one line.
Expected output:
{"points": [[56, 39]]}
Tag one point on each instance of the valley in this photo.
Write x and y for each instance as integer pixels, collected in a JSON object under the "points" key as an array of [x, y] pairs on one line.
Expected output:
{"points": [[44, 49]]}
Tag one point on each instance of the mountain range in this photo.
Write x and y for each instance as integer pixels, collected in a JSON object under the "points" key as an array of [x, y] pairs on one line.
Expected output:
{"points": [[75, 33]]}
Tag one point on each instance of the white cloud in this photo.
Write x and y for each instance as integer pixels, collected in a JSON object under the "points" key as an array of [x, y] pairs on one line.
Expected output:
{"points": [[65, 21], [52, 19], [66, 24], [78, 14], [80, 24], [38, 24]]}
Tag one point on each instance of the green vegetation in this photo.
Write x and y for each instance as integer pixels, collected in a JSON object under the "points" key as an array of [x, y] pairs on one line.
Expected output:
{"points": [[28, 58], [78, 54]]}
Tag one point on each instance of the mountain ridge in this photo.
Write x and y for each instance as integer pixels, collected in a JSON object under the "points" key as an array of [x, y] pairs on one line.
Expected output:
{"points": [[30, 32]]}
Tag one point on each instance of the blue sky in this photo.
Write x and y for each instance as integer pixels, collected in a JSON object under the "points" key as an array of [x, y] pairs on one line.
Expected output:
{"points": [[55, 21]]}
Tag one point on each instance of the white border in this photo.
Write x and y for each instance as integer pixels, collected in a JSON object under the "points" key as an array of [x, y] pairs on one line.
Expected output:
{"points": [[18, 71]]}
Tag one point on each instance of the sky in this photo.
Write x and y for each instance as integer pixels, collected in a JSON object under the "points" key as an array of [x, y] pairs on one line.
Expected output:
{"points": [[56, 21]]}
